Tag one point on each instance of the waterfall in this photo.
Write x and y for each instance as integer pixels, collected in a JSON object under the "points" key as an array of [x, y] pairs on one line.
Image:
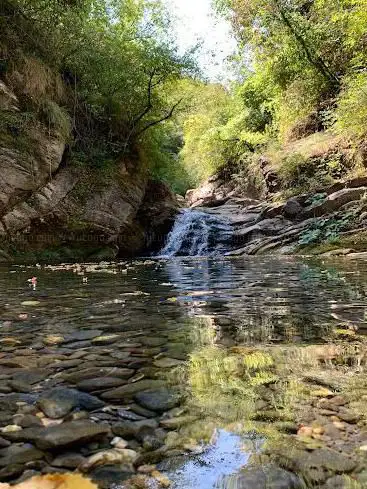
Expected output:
{"points": [[197, 233]]}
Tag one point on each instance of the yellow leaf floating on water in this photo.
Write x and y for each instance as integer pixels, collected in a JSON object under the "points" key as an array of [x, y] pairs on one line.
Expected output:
{"points": [[30, 303], [54, 481]]}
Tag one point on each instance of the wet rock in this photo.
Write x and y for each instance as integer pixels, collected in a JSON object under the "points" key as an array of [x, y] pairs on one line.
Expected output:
{"points": [[174, 423], [266, 477], [27, 420], [153, 341], [83, 335], [101, 383], [10, 428], [27, 474], [95, 372], [4, 443], [292, 208], [128, 429], [114, 456], [146, 413], [286, 427], [63, 365], [19, 454], [18, 386], [130, 415], [314, 465], [149, 458], [69, 460], [5, 388], [62, 436], [106, 339], [129, 390], [119, 442], [146, 469], [148, 439], [59, 401], [30, 376], [159, 400], [109, 476], [120, 355], [11, 471], [166, 362], [76, 415]]}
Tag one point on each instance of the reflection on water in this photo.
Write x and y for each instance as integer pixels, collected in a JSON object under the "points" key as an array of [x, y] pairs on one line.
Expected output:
{"points": [[213, 313], [209, 470], [251, 300], [271, 300]]}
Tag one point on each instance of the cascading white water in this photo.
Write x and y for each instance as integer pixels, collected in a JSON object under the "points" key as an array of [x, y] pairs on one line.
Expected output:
{"points": [[197, 233]]}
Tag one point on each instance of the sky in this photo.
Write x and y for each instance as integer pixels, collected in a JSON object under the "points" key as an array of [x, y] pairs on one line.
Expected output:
{"points": [[196, 21]]}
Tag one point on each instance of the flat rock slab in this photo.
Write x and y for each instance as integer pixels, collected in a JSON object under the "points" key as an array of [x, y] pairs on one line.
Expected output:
{"points": [[158, 400], [128, 429], [58, 402], [129, 390], [64, 435], [101, 383], [94, 372], [31, 376], [129, 415], [153, 341], [166, 362], [83, 335]]}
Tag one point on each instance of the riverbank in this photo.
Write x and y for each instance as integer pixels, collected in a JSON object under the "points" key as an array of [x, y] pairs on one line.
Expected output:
{"points": [[329, 221]]}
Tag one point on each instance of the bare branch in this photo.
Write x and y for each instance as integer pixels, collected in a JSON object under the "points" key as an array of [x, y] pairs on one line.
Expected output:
{"points": [[149, 105], [158, 121]]}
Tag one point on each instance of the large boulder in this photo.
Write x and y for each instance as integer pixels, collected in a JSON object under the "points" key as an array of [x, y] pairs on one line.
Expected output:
{"points": [[334, 201]]}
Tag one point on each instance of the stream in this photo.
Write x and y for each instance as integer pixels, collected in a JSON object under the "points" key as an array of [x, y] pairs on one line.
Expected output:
{"points": [[175, 322]]}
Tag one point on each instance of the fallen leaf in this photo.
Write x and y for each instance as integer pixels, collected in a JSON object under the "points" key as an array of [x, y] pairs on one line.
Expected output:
{"points": [[56, 481]]}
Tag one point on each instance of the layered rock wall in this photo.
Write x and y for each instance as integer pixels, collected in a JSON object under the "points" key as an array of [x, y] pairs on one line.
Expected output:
{"points": [[47, 203]]}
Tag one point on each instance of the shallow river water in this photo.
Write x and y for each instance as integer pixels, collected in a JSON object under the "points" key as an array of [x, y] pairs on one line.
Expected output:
{"points": [[178, 323]]}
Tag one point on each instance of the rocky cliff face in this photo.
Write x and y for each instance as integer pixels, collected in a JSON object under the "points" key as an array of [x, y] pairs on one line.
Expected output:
{"points": [[47, 204]]}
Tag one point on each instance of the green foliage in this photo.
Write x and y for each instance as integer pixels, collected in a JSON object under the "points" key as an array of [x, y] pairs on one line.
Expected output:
{"points": [[219, 128], [301, 173], [109, 72], [161, 149], [316, 199], [351, 113], [307, 75], [100, 68], [326, 229]]}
